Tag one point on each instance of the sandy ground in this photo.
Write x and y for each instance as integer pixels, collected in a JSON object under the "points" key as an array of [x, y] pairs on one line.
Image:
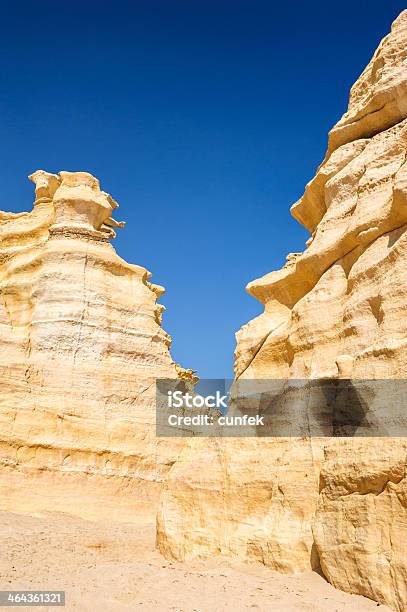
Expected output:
{"points": [[105, 567]]}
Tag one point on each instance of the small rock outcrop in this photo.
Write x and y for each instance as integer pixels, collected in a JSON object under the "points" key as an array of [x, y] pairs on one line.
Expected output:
{"points": [[336, 310], [81, 347]]}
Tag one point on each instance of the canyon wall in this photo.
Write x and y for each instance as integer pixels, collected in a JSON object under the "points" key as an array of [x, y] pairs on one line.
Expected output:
{"points": [[81, 346], [336, 310]]}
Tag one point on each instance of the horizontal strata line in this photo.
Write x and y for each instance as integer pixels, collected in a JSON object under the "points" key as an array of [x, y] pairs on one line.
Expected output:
{"points": [[18, 444], [103, 472], [126, 330]]}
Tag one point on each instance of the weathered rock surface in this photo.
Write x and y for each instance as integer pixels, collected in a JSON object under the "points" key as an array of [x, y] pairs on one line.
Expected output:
{"points": [[81, 347], [337, 310]]}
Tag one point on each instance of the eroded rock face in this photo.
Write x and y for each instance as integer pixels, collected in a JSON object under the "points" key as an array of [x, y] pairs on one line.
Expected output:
{"points": [[81, 346], [337, 310]]}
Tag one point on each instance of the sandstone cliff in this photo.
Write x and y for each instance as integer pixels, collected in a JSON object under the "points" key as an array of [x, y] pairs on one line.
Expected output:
{"points": [[336, 310], [81, 347]]}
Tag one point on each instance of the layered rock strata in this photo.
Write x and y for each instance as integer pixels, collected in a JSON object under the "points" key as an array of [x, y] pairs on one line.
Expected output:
{"points": [[81, 346], [337, 310]]}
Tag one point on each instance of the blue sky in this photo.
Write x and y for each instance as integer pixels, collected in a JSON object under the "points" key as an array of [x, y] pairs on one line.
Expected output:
{"points": [[204, 120]]}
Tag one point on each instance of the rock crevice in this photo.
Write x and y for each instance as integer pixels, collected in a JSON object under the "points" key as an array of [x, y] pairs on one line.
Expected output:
{"points": [[335, 311]]}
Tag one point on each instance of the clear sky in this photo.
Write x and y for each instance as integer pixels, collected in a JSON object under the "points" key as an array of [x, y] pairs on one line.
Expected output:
{"points": [[203, 119]]}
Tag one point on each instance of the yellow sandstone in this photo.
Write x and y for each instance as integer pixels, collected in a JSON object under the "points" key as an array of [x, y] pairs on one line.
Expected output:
{"points": [[81, 346]]}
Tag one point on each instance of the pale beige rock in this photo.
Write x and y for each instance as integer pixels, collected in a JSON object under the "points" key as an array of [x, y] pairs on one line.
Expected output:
{"points": [[81, 347], [249, 498], [360, 527], [378, 100], [334, 311]]}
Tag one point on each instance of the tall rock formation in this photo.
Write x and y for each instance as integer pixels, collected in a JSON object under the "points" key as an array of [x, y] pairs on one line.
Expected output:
{"points": [[336, 310], [81, 346]]}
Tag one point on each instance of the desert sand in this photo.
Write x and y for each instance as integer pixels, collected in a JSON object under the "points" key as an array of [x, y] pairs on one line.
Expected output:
{"points": [[109, 567]]}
